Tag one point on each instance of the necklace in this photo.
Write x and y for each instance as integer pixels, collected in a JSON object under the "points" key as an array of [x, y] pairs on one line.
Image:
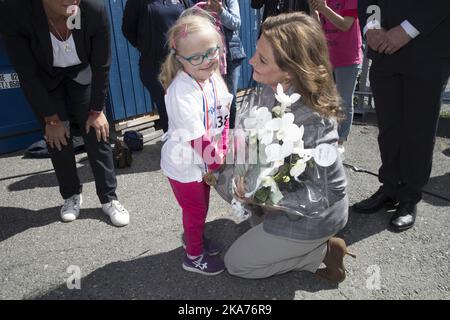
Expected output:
{"points": [[67, 47]]}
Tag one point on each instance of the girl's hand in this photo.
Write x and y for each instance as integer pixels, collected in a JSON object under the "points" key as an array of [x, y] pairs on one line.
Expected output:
{"points": [[210, 179], [100, 124]]}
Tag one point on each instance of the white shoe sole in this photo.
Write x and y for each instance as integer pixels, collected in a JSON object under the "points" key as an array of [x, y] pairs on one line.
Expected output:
{"points": [[75, 216], [66, 218], [187, 268]]}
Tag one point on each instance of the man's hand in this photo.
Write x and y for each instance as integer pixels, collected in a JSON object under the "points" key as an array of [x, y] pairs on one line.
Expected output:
{"points": [[100, 124], [396, 38], [375, 38], [215, 6]]}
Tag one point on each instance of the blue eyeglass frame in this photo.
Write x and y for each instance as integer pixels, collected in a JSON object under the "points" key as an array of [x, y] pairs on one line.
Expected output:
{"points": [[204, 56]]}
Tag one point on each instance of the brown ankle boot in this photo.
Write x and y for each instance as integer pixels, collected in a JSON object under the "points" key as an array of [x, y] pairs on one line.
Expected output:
{"points": [[334, 260]]}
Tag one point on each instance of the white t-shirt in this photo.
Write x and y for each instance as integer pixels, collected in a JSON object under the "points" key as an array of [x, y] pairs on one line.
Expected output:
{"points": [[64, 52], [185, 105]]}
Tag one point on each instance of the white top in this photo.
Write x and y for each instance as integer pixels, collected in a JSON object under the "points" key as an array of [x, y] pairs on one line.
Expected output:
{"points": [[184, 104], [64, 52]]}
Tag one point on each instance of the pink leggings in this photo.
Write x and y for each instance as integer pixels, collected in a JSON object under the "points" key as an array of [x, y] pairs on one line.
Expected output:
{"points": [[193, 198]]}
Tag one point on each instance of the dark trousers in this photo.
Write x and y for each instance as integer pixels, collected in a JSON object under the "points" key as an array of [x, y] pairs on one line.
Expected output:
{"points": [[72, 101], [149, 76], [407, 101]]}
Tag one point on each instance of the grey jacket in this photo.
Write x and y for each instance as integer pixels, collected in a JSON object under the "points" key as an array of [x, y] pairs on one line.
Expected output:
{"points": [[322, 196]]}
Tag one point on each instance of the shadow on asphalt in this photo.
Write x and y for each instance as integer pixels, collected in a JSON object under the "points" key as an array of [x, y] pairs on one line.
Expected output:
{"points": [[161, 276], [441, 186], [446, 152], [16, 220], [146, 160], [361, 226]]}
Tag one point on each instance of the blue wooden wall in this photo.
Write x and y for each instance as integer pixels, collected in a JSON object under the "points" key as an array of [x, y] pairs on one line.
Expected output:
{"points": [[249, 34], [127, 96]]}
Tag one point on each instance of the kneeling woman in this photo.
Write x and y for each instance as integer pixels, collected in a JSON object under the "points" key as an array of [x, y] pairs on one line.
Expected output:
{"points": [[292, 51]]}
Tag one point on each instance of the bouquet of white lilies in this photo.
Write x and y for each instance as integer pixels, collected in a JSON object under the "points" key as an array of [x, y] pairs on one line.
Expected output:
{"points": [[279, 142], [268, 156]]}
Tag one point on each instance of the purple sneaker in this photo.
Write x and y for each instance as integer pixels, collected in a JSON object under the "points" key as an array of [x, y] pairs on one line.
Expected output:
{"points": [[205, 264], [211, 247]]}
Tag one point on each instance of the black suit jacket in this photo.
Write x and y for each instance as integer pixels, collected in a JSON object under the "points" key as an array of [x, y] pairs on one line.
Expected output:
{"points": [[25, 33], [431, 19]]}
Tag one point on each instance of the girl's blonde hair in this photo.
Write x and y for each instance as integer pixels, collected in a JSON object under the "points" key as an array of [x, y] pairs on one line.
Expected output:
{"points": [[192, 20], [300, 49]]}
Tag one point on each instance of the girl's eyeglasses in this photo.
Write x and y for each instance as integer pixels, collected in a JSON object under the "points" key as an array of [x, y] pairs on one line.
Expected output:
{"points": [[196, 60]]}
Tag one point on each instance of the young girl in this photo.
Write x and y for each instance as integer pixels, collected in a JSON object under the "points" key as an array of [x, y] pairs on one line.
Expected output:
{"points": [[197, 102]]}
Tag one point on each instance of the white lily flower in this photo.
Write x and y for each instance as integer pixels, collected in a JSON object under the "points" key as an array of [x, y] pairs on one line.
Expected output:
{"points": [[298, 168], [256, 124], [284, 99], [285, 128], [305, 154], [250, 123], [263, 117], [299, 145], [276, 152]]}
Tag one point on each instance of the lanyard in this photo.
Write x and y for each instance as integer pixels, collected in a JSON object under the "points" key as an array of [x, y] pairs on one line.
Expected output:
{"points": [[206, 105]]}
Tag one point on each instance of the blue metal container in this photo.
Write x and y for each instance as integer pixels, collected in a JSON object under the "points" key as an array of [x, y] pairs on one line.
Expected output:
{"points": [[19, 127]]}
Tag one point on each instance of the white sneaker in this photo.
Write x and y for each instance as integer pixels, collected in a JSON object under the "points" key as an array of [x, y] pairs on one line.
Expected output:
{"points": [[71, 208], [117, 213]]}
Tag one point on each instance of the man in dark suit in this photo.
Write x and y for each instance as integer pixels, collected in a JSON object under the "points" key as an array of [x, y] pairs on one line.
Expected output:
{"points": [[410, 50], [61, 52]]}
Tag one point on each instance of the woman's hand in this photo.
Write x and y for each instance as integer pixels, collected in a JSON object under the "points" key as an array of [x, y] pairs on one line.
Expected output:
{"points": [[239, 192], [98, 121], [56, 134]]}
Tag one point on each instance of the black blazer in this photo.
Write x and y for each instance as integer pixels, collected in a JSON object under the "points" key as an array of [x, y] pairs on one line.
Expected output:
{"points": [[26, 35], [431, 19]]}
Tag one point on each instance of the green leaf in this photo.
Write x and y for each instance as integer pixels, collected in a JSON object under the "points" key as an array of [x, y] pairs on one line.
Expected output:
{"points": [[262, 194]]}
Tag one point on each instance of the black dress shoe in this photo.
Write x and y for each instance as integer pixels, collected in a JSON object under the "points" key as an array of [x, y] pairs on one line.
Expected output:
{"points": [[404, 217], [377, 201]]}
